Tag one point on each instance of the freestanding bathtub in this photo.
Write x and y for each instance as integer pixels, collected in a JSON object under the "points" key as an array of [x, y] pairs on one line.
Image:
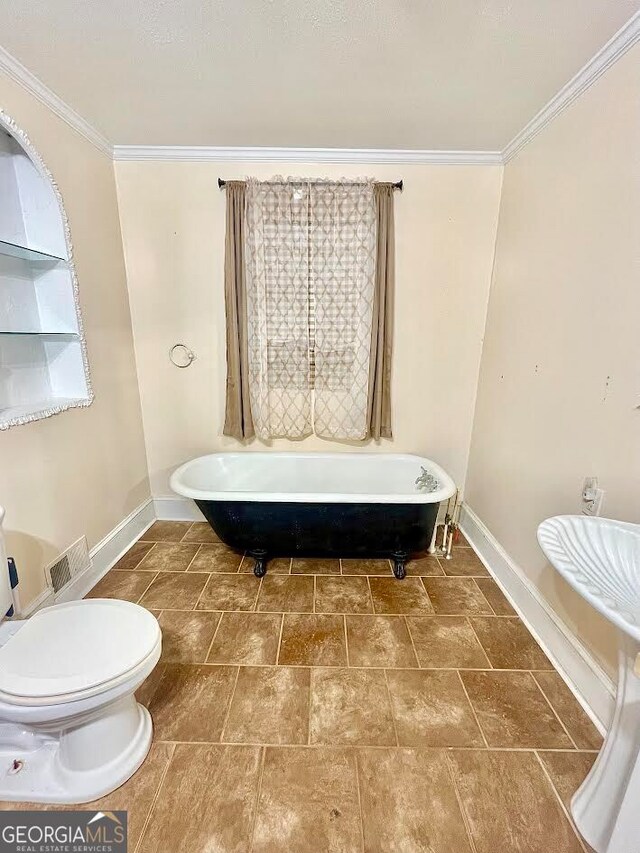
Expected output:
{"points": [[318, 504]]}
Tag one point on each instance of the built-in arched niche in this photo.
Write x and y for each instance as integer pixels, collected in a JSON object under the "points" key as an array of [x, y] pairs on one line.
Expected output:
{"points": [[43, 359]]}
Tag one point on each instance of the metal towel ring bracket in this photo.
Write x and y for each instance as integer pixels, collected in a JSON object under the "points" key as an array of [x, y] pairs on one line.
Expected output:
{"points": [[187, 356]]}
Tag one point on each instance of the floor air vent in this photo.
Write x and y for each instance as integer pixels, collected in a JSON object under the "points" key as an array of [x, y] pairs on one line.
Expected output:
{"points": [[70, 563]]}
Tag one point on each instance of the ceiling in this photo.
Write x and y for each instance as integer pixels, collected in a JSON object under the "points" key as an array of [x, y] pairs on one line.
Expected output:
{"points": [[409, 74]]}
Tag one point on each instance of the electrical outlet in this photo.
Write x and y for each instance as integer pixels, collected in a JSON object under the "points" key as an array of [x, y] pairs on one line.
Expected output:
{"points": [[592, 504], [589, 488]]}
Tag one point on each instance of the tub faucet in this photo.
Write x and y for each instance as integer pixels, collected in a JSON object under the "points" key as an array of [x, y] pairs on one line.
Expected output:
{"points": [[426, 481]]}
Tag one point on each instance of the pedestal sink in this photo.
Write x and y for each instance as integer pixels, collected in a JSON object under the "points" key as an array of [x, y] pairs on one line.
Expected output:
{"points": [[600, 559]]}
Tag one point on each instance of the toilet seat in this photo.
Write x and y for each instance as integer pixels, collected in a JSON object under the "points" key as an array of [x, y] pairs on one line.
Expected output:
{"points": [[76, 650]]}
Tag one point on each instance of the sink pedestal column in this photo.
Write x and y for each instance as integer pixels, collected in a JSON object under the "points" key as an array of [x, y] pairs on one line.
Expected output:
{"points": [[606, 808]]}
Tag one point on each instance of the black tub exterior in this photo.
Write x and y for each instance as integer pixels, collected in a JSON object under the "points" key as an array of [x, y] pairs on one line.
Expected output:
{"points": [[269, 529]]}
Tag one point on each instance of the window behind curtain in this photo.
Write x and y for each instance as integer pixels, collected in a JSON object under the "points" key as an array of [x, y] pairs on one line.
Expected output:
{"points": [[309, 301], [310, 286]]}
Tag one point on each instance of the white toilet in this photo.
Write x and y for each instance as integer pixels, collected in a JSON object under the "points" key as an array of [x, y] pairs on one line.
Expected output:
{"points": [[70, 727]]}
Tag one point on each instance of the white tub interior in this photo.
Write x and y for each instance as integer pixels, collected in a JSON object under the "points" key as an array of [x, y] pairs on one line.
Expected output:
{"points": [[310, 477]]}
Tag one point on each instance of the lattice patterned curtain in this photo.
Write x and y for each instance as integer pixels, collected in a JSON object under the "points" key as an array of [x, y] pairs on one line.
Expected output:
{"points": [[277, 260], [315, 290], [342, 244]]}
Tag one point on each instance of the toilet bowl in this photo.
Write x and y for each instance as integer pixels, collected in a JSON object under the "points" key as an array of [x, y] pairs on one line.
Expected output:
{"points": [[70, 728]]}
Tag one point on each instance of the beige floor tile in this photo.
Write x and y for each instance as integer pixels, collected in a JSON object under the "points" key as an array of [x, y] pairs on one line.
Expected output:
{"points": [[286, 593], [135, 796], [456, 596], [207, 802], [430, 709], [409, 803], [230, 592], [350, 706], [446, 642], [216, 557], [510, 805], [166, 531], [567, 770], [496, 598], [269, 705], [174, 591], [342, 595], [380, 641], [394, 596], [463, 562], [134, 555], [200, 532], [366, 567], [311, 566], [168, 557], [246, 638], [512, 711], [313, 640], [188, 702], [186, 636], [508, 644], [308, 802], [424, 567], [577, 723], [275, 566], [309, 794], [129, 586]]}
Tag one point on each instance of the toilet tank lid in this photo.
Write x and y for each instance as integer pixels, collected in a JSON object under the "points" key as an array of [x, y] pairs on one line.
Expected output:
{"points": [[76, 646]]}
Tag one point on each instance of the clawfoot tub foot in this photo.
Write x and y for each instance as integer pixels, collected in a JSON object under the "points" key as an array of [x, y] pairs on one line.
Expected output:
{"points": [[399, 562], [260, 568]]}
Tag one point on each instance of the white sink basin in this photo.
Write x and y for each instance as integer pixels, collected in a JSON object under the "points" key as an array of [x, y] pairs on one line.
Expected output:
{"points": [[600, 559]]}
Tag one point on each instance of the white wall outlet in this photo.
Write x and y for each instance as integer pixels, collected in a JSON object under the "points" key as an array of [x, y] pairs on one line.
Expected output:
{"points": [[592, 497]]}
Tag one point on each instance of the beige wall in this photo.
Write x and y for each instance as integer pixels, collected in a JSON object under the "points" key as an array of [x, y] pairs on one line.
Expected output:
{"points": [[559, 381], [83, 471], [173, 221]]}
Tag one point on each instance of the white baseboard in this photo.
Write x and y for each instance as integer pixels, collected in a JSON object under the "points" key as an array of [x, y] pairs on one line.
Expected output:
{"points": [[103, 556], [584, 676], [176, 509]]}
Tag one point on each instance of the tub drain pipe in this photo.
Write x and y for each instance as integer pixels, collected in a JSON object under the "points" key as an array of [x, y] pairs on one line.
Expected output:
{"points": [[450, 526]]}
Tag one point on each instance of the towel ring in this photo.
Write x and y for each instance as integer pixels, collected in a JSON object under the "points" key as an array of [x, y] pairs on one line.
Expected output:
{"points": [[189, 355]]}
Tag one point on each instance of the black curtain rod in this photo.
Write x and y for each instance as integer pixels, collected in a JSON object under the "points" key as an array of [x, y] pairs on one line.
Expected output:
{"points": [[397, 185]]}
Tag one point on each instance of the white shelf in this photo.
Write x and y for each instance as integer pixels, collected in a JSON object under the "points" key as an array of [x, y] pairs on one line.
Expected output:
{"points": [[62, 336], [38, 408], [43, 366], [25, 253]]}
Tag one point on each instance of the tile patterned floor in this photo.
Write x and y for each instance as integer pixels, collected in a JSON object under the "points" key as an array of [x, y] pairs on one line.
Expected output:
{"points": [[330, 707]]}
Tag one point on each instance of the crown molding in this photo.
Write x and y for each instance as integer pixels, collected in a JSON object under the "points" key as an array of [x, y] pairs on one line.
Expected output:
{"points": [[381, 156], [14, 69], [612, 51]]}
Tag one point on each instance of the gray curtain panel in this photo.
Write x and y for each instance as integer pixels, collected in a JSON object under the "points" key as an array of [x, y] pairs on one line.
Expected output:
{"points": [[379, 414], [238, 422]]}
